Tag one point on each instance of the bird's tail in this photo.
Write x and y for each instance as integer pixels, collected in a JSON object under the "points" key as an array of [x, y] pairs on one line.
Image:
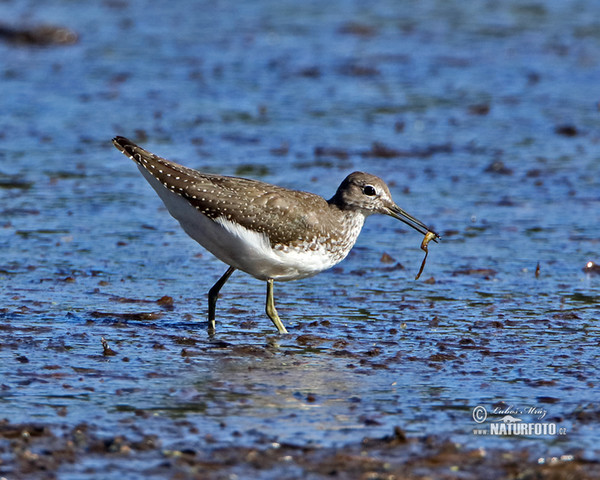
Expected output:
{"points": [[131, 149]]}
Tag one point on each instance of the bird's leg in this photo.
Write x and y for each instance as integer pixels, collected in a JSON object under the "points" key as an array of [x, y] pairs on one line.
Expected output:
{"points": [[213, 294], [271, 311]]}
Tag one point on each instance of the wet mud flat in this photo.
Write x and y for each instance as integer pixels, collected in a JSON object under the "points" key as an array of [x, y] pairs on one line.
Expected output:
{"points": [[36, 451], [143, 395]]}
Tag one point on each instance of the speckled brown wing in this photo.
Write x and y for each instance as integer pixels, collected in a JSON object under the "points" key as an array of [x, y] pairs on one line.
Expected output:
{"points": [[253, 204], [275, 211]]}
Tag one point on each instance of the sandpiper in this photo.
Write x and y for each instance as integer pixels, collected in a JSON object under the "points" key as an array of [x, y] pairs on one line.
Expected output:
{"points": [[267, 231]]}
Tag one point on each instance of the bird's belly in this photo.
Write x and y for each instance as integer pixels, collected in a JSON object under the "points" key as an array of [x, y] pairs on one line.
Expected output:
{"points": [[296, 264], [253, 253]]}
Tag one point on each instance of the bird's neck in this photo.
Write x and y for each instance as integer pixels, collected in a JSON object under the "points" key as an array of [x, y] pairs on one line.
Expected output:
{"points": [[350, 222]]}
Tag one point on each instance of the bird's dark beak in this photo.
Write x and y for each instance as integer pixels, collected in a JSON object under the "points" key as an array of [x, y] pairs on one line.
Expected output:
{"points": [[396, 212]]}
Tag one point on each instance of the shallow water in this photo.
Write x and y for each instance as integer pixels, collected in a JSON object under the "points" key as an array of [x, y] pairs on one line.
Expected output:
{"points": [[483, 118]]}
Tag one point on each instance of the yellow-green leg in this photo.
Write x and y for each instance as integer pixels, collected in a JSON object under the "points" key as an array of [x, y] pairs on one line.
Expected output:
{"points": [[271, 311], [213, 295]]}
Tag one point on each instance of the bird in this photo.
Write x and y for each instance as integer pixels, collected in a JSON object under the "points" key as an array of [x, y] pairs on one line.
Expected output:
{"points": [[267, 231]]}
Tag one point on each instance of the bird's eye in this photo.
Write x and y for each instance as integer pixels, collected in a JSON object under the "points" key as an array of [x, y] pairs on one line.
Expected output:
{"points": [[369, 190]]}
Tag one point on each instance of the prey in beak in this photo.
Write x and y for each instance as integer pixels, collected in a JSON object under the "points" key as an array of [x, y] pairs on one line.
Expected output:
{"points": [[396, 212]]}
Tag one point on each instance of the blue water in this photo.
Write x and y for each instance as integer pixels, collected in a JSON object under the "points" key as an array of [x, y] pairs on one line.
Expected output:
{"points": [[260, 89]]}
